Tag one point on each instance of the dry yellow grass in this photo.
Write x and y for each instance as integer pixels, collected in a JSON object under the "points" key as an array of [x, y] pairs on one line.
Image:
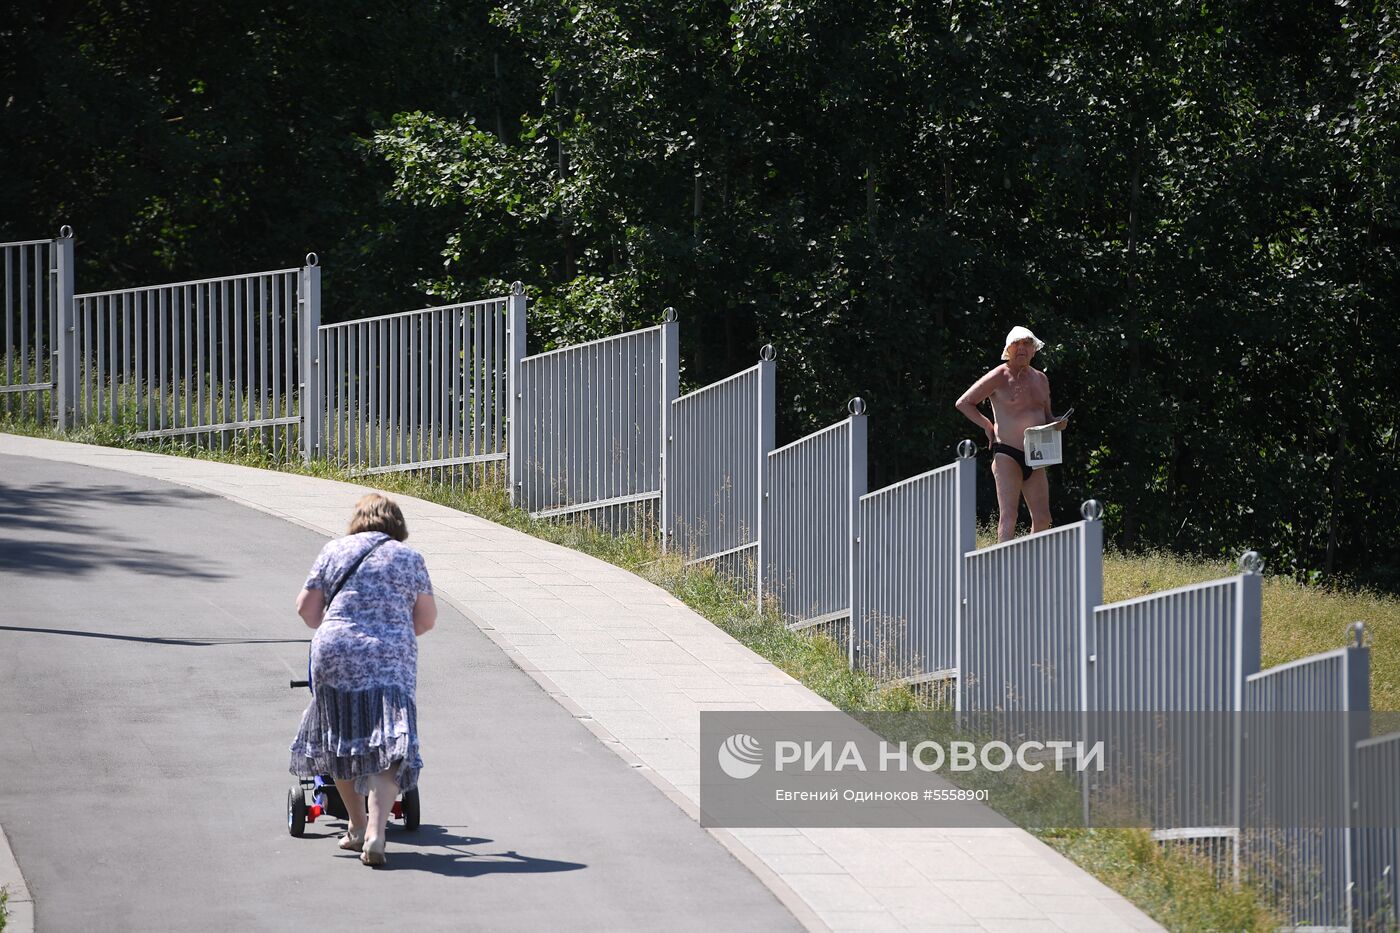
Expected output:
{"points": [[1298, 620]]}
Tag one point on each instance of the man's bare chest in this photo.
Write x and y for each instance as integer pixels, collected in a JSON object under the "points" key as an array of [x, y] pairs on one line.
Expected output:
{"points": [[1020, 394]]}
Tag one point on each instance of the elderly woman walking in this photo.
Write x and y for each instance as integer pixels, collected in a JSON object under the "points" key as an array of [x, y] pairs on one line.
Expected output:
{"points": [[369, 598]]}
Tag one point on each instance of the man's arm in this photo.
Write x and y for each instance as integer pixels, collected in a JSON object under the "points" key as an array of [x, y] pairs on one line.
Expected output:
{"points": [[981, 390], [1050, 409]]}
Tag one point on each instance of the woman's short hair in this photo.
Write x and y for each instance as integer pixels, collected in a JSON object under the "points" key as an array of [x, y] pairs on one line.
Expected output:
{"points": [[378, 513]]}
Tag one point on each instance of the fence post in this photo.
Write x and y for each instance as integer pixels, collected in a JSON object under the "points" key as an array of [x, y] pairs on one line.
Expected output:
{"points": [[766, 421], [965, 531], [1090, 596], [1248, 610], [670, 389], [1357, 675], [65, 337], [515, 352], [308, 337], [855, 471]]}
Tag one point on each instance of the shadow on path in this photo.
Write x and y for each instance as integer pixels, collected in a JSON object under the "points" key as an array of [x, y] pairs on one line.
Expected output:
{"points": [[189, 642], [458, 861], [52, 506], [59, 508]]}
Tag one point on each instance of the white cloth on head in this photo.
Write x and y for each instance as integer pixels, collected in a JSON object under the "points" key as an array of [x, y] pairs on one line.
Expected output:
{"points": [[1019, 333]]}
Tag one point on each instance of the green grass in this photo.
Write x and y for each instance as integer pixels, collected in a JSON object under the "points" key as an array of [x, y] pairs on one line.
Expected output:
{"points": [[1175, 887], [4, 907]]}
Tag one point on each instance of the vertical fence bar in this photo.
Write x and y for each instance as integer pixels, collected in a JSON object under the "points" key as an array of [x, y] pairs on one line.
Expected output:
{"points": [[515, 352], [67, 378], [288, 366], [23, 323], [965, 509], [42, 362], [9, 253], [766, 426], [670, 389], [857, 480], [308, 324]]}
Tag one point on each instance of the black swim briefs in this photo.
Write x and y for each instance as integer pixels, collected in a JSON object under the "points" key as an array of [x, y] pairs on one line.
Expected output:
{"points": [[1014, 454]]}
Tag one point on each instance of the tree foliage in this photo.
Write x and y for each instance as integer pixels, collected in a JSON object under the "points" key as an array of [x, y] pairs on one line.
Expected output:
{"points": [[1195, 204]]}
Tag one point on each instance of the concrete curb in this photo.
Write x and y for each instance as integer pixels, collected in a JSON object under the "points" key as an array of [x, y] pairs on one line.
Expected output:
{"points": [[19, 909]]}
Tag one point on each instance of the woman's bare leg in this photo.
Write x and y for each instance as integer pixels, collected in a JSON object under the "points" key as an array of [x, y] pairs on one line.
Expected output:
{"points": [[383, 790], [354, 807]]}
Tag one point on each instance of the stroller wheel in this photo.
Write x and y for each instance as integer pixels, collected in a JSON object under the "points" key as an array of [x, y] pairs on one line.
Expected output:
{"points": [[296, 810], [409, 809]]}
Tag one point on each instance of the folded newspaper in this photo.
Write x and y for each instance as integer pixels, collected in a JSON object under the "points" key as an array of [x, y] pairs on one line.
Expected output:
{"points": [[1042, 443]]}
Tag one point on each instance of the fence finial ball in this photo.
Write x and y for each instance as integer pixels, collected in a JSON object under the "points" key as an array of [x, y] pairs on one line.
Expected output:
{"points": [[517, 288], [856, 406], [768, 353], [65, 232], [966, 449], [1251, 562], [1356, 631], [1092, 510], [669, 316], [312, 259]]}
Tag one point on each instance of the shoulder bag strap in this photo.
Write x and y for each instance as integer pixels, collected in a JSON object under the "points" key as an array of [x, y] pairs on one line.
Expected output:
{"points": [[345, 578]]}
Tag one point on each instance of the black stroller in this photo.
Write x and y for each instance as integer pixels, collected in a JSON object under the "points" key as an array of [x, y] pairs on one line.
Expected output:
{"points": [[311, 798]]}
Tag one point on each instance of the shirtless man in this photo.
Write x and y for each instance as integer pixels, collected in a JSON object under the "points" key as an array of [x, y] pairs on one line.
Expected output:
{"points": [[1020, 397]]}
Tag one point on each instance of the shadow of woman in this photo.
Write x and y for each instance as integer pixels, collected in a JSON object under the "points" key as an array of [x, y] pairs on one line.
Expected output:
{"points": [[472, 864], [458, 860]]}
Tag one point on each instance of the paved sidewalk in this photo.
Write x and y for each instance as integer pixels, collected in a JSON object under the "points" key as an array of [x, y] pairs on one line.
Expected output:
{"points": [[19, 907], [636, 666]]}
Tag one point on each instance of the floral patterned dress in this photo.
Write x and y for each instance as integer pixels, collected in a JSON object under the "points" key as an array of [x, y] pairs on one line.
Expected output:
{"points": [[363, 718]]}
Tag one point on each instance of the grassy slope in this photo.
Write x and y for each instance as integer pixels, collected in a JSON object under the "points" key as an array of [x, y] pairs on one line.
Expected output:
{"points": [[1298, 620]]}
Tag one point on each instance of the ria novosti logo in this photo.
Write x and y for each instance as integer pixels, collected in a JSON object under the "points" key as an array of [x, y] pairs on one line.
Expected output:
{"points": [[740, 756]]}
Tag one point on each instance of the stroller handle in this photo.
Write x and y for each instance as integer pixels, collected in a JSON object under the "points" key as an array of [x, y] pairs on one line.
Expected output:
{"points": [[299, 683]]}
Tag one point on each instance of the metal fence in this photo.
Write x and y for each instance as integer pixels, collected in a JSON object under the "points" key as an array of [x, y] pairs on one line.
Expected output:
{"points": [[1187, 650], [597, 430], [203, 360], [1027, 629], [811, 521], [420, 390], [913, 536], [1296, 813], [591, 422], [1377, 847], [38, 292], [719, 441]]}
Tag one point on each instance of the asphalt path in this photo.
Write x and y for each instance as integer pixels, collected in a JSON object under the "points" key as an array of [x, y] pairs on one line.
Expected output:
{"points": [[147, 637]]}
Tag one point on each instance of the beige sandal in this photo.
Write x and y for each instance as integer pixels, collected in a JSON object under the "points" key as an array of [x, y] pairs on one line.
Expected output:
{"points": [[352, 843], [373, 852]]}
